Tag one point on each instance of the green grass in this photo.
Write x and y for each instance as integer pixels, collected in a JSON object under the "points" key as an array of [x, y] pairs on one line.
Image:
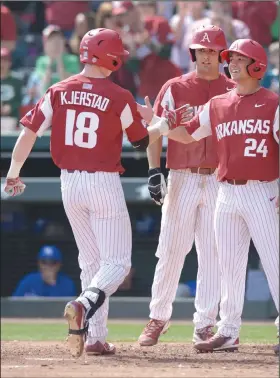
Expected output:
{"points": [[263, 334]]}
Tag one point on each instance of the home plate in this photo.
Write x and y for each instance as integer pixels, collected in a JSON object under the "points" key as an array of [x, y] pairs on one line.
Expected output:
{"points": [[48, 359]]}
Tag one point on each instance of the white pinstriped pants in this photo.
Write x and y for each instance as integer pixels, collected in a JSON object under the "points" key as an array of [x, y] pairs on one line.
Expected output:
{"points": [[96, 209], [187, 216], [242, 212]]}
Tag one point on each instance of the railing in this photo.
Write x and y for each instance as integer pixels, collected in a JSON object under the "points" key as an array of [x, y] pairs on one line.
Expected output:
{"points": [[121, 308]]}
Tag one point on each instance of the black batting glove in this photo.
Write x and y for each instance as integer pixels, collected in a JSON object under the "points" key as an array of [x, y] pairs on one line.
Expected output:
{"points": [[157, 185]]}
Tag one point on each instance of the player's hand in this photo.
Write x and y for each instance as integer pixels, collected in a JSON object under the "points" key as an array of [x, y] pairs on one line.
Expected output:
{"points": [[14, 186], [157, 185], [146, 111], [178, 117]]}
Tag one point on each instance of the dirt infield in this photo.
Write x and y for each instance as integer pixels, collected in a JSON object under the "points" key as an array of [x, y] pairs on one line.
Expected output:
{"points": [[51, 359]]}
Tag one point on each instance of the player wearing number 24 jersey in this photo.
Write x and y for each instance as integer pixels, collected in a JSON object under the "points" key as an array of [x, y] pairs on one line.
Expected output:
{"points": [[244, 124], [88, 115]]}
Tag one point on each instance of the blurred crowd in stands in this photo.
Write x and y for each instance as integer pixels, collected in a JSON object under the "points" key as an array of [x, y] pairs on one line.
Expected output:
{"points": [[40, 42]]}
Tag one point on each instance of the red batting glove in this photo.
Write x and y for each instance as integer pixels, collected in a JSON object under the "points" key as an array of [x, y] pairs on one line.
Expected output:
{"points": [[14, 187], [178, 117]]}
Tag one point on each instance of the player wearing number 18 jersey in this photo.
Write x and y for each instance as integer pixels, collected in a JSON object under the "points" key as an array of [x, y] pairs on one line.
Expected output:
{"points": [[88, 115], [244, 124]]}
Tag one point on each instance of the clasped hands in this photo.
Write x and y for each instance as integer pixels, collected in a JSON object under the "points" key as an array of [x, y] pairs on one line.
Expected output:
{"points": [[174, 117]]}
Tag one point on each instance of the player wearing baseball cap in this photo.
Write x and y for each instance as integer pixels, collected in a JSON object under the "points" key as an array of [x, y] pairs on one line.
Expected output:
{"points": [[244, 124], [188, 208], [88, 115]]}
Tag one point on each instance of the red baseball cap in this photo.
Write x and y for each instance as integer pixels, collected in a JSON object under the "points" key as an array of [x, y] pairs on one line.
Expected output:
{"points": [[5, 53], [121, 7]]}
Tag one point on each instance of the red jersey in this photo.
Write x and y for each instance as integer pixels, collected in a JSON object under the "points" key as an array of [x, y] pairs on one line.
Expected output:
{"points": [[189, 89], [245, 130], [88, 118]]}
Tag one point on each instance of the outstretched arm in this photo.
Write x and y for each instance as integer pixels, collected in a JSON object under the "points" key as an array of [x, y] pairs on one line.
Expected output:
{"points": [[197, 128], [21, 151], [180, 134], [14, 186], [170, 119], [34, 122]]}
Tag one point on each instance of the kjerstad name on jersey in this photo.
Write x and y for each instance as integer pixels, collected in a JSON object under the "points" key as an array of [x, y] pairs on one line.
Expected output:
{"points": [[86, 99], [246, 126]]}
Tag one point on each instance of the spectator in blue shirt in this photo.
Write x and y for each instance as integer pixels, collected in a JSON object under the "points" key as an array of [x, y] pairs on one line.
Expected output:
{"points": [[49, 281]]}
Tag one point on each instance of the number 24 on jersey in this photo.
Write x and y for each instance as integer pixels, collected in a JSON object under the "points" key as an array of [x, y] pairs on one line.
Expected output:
{"points": [[253, 148]]}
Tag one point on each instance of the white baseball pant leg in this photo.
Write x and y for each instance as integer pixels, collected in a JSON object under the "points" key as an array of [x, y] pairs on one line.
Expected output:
{"points": [[208, 283], [243, 212], [187, 212], [96, 209]]}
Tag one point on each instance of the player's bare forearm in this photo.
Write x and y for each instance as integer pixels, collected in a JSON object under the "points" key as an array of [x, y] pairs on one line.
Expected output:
{"points": [[157, 130], [181, 135], [21, 151], [154, 152]]}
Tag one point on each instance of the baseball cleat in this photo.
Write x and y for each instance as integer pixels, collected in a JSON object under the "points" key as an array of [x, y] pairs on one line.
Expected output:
{"points": [[202, 334], [152, 332], [74, 313], [218, 343], [276, 349], [99, 349]]}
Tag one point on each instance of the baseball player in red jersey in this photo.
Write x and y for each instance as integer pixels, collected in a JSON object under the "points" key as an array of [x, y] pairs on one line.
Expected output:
{"points": [[244, 124], [88, 115], [188, 208]]}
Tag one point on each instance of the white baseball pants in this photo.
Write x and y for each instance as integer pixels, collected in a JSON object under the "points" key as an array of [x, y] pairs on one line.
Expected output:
{"points": [[95, 206], [242, 212], [187, 216]]}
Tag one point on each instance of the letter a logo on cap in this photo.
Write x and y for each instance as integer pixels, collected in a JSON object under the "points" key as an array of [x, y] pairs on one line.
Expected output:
{"points": [[205, 38]]}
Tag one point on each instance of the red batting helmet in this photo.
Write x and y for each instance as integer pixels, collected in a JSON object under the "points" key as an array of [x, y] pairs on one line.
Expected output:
{"points": [[251, 49], [102, 47], [207, 37]]}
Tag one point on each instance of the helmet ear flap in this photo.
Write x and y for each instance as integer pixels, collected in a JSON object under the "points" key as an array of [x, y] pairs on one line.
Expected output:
{"points": [[220, 58], [192, 52], [254, 70], [226, 71]]}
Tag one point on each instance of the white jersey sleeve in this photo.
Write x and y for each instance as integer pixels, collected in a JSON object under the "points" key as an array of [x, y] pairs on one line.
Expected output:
{"points": [[39, 119], [126, 117], [276, 125], [204, 129], [168, 99]]}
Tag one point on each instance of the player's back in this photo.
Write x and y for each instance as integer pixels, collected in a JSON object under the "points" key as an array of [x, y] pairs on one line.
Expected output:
{"points": [[89, 116]]}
